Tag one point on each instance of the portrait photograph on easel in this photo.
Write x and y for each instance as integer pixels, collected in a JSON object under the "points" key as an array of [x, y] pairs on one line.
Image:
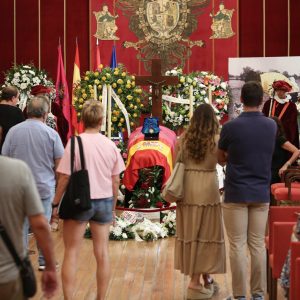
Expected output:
{"points": [[266, 70]]}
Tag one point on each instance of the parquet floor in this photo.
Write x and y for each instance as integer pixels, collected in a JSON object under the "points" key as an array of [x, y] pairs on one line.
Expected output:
{"points": [[140, 270]]}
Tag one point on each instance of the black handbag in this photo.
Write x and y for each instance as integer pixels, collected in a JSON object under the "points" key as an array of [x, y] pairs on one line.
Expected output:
{"points": [[77, 196], [25, 267]]}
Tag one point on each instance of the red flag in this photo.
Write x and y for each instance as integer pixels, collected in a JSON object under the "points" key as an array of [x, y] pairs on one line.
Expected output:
{"points": [[62, 91], [98, 57], [77, 126]]}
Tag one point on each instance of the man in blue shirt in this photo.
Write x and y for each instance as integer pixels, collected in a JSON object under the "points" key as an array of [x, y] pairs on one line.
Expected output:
{"points": [[41, 148], [246, 147]]}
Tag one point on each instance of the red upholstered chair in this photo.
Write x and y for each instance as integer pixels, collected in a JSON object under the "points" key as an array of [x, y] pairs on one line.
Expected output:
{"points": [[295, 253], [280, 214], [291, 190], [277, 185], [281, 240], [287, 194], [297, 279]]}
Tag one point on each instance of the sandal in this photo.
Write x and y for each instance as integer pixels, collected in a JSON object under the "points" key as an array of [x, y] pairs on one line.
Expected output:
{"points": [[202, 293], [214, 286]]}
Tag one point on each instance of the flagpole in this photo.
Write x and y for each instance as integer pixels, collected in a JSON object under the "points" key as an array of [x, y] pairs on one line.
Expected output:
{"points": [[109, 111], [95, 92], [209, 94], [191, 101]]}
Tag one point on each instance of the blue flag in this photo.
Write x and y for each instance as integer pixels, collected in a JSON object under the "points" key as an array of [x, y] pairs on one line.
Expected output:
{"points": [[113, 60]]}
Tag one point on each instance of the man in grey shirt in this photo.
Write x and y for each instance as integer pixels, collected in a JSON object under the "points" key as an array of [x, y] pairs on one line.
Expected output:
{"points": [[19, 199], [41, 148]]}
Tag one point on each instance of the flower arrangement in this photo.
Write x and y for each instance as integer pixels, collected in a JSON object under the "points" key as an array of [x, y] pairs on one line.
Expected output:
{"points": [[140, 229], [177, 115], [121, 230], [24, 77], [124, 86], [146, 193], [149, 231], [169, 221]]}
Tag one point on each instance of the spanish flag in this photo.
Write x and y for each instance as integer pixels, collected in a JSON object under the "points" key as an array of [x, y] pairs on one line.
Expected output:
{"points": [[145, 154], [77, 126]]}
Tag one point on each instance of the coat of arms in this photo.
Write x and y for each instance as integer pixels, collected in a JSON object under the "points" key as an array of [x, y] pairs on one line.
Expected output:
{"points": [[163, 28]]}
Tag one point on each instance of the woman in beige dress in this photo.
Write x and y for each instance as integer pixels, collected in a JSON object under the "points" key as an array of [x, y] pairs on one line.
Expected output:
{"points": [[200, 247]]}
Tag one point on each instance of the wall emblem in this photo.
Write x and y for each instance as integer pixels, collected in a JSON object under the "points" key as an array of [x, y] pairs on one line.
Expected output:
{"points": [[106, 24], [163, 28], [161, 18], [221, 23]]}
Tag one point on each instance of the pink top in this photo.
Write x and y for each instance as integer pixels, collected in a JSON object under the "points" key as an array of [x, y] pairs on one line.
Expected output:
{"points": [[102, 159]]}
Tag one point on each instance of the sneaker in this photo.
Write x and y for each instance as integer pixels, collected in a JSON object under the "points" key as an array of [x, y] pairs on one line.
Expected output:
{"points": [[257, 297], [202, 293], [42, 267], [213, 285]]}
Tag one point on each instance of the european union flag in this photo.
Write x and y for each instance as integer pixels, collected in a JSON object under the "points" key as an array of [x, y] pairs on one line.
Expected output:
{"points": [[113, 60]]}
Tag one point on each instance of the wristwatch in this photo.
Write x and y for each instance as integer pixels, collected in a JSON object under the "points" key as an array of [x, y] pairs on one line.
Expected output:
{"points": [[55, 205]]}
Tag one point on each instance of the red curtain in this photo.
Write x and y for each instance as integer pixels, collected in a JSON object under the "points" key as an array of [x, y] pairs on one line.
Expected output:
{"points": [[212, 57], [251, 39]]}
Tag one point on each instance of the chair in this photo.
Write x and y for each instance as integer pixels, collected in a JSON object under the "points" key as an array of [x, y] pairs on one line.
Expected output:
{"points": [[289, 183], [280, 245], [277, 185], [297, 278], [294, 288], [278, 214], [287, 194]]}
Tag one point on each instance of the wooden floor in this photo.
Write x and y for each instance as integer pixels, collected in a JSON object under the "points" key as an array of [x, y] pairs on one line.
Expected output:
{"points": [[140, 270]]}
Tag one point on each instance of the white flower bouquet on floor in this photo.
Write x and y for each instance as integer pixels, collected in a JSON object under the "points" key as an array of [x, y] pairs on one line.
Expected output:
{"points": [[149, 231], [169, 222], [121, 231]]}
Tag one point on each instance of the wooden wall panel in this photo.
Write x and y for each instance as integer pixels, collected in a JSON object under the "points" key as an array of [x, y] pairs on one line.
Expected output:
{"points": [[295, 27], [77, 24], [27, 31], [77, 15], [6, 36], [251, 28], [276, 28], [52, 28]]}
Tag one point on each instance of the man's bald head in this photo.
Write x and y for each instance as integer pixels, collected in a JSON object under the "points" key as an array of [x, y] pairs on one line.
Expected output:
{"points": [[38, 107]]}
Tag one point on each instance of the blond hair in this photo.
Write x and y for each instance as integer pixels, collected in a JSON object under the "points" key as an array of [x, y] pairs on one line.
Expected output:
{"points": [[92, 113]]}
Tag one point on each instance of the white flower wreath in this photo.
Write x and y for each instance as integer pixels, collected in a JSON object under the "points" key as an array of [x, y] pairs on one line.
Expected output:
{"points": [[177, 115], [24, 77]]}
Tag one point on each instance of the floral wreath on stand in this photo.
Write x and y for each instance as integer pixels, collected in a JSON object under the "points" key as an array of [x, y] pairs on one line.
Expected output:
{"points": [[176, 115], [142, 230], [124, 86], [24, 77]]}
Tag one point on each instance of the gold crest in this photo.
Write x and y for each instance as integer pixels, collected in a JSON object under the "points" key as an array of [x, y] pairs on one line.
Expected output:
{"points": [[163, 28], [221, 23], [106, 24]]}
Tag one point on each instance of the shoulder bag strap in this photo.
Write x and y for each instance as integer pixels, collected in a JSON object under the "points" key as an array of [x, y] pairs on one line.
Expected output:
{"points": [[179, 157], [82, 161], [7, 241], [72, 153]]}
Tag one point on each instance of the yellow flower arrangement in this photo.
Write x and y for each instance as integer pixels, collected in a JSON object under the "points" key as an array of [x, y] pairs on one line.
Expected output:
{"points": [[124, 86]]}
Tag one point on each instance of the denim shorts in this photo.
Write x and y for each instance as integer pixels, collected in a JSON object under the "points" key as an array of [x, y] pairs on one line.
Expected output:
{"points": [[100, 212]]}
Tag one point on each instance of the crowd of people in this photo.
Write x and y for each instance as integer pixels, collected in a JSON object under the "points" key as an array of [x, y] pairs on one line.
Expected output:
{"points": [[35, 172]]}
